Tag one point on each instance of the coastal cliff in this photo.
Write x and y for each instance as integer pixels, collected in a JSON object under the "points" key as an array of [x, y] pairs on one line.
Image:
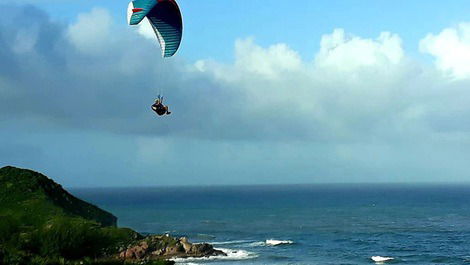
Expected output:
{"points": [[41, 223]]}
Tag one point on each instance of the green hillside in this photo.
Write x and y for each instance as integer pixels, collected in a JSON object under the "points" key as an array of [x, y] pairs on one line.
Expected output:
{"points": [[41, 223], [31, 194]]}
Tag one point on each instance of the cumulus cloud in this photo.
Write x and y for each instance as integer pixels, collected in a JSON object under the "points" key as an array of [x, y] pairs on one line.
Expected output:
{"points": [[351, 53], [25, 40], [272, 63], [361, 106], [355, 87], [91, 32], [451, 49]]}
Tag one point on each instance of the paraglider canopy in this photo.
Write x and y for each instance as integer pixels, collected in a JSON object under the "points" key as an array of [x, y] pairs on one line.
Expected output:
{"points": [[165, 18]]}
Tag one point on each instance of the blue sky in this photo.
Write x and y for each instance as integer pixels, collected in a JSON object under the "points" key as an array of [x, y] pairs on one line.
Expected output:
{"points": [[317, 91], [299, 25]]}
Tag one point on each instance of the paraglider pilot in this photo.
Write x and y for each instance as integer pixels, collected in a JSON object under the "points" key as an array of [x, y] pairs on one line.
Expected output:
{"points": [[159, 108]]}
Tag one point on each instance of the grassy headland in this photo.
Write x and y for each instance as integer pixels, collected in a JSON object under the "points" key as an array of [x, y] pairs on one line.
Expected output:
{"points": [[41, 223]]}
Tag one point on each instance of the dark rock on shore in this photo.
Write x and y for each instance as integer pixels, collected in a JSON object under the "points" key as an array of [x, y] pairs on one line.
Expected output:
{"points": [[155, 247]]}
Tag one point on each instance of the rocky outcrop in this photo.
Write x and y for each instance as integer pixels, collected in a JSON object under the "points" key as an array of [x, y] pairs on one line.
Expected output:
{"points": [[157, 247]]}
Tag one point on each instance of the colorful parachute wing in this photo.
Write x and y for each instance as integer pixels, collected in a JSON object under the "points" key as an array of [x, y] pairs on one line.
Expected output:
{"points": [[165, 18], [139, 9], [167, 23]]}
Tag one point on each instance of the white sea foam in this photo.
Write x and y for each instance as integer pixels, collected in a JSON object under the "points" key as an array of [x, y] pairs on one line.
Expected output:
{"points": [[271, 242], [232, 254], [274, 242], [380, 259], [257, 244]]}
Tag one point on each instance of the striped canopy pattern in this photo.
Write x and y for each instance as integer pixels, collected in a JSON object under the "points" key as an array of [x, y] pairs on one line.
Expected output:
{"points": [[166, 21]]}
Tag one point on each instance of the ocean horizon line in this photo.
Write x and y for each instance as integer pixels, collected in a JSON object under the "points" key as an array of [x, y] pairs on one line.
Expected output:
{"points": [[293, 185]]}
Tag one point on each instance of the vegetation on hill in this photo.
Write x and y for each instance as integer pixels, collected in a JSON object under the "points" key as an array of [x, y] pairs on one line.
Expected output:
{"points": [[33, 195], [41, 223]]}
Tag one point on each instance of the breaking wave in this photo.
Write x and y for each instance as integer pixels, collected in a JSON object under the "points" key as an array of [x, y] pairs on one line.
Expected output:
{"points": [[271, 242], [380, 259], [232, 254]]}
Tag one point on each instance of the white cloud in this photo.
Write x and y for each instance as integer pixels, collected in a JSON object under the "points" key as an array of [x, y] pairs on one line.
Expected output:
{"points": [[355, 87], [451, 48], [350, 53], [352, 85], [92, 31], [25, 40], [271, 63], [360, 108], [145, 29]]}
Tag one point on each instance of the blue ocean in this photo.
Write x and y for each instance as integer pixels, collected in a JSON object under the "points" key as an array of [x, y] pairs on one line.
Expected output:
{"points": [[304, 224]]}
